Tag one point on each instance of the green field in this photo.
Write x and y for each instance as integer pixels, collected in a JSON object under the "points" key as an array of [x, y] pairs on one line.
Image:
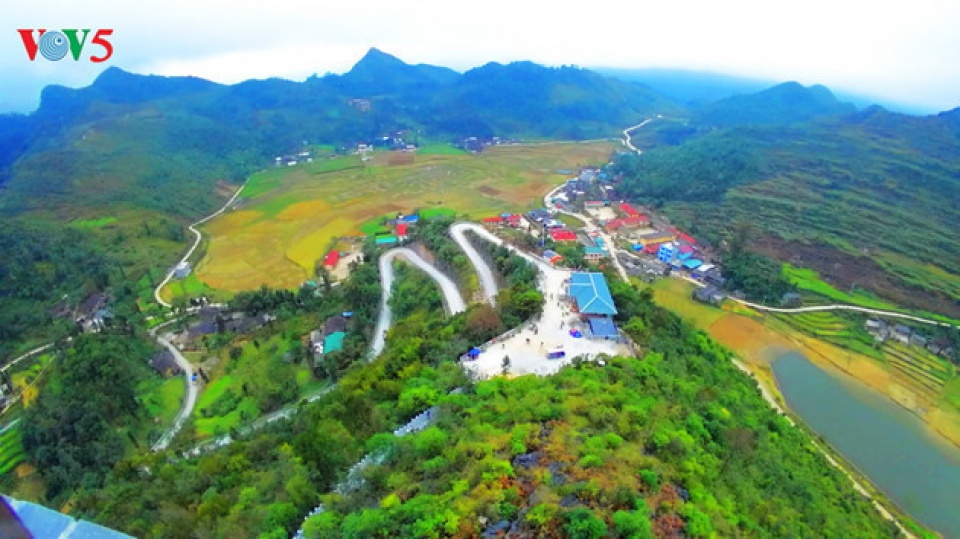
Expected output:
{"points": [[439, 149], [809, 280], [919, 366], [94, 223], [11, 449], [675, 294], [162, 398], [289, 216]]}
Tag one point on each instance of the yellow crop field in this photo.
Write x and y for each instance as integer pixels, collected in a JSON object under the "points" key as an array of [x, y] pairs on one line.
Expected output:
{"points": [[293, 214]]}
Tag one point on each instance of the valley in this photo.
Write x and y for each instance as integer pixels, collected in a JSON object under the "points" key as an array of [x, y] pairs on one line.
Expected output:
{"points": [[470, 334]]}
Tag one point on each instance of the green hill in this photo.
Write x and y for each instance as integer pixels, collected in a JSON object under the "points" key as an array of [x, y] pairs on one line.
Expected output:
{"points": [[784, 103], [869, 199]]}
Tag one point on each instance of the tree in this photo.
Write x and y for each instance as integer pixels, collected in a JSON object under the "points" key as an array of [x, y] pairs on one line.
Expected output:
{"points": [[582, 523], [505, 365]]}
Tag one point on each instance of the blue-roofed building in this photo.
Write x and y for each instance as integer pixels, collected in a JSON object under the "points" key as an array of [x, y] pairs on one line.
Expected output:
{"points": [[591, 295], [594, 253], [411, 218], [692, 264], [684, 256], [601, 326], [42, 521], [667, 252]]}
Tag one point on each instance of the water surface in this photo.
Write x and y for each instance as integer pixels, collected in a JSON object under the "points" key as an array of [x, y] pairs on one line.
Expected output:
{"points": [[888, 444]]}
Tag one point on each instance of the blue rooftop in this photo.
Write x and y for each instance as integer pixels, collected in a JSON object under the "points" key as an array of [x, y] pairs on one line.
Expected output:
{"points": [[693, 263], [591, 294], [594, 251], [602, 327]]}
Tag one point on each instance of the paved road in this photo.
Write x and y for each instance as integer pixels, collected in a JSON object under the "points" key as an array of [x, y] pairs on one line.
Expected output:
{"points": [[452, 300], [259, 423], [487, 281], [627, 141], [840, 307], [607, 240], [190, 397], [196, 241], [31, 353]]}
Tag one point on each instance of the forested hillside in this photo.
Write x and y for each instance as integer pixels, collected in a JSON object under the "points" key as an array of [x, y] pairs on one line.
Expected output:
{"points": [[869, 199]]}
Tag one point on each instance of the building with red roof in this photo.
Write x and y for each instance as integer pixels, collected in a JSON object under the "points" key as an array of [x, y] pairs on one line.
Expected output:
{"points": [[562, 234], [496, 219], [401, 229], [331, 259], [652, 248], [685, 249], [629, 210]]}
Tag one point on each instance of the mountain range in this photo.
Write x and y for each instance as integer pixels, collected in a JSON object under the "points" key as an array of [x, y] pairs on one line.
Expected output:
{"points": [[141, 143]]}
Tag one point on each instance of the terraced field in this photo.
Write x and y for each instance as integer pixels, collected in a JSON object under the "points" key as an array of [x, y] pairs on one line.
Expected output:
{"points": [[11, 449], [918, 366]]}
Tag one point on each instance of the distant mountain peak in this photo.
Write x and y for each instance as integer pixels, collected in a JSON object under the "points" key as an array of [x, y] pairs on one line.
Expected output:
{"points": [[377, 59]]}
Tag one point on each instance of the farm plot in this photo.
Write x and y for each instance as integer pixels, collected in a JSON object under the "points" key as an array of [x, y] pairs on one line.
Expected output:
{"points": [[918, 366], [290, 216], [11, 449]]}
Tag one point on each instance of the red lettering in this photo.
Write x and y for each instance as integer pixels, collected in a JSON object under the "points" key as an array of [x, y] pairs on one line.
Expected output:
{"points": [[98, 39], [29, 42]]}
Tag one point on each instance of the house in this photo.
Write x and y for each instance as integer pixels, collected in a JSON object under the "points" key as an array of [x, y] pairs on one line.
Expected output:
{"points": [[627, 222], [333, 342], [651, 249], [691, 264], [591, 295], [164, 363], [901, 333], [386, 240], [709, 294], [918, 340], [702, 270], [592, 299], [491, 222], [402, 230], [714, 277], [629, 210], [667, 252], [563, 235], [552, 256], [331, 260], [513, 219], [791, 299], [594, 253], [657, 237], [316, 342], [593, 204], [181, 270], [539, 216], [335, 324]]}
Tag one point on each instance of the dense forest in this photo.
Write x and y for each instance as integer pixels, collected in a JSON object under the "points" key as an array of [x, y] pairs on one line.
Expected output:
{"points": [[87, 412]]}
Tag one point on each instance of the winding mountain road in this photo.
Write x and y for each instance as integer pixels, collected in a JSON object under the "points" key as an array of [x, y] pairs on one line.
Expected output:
{"points": [[627, 141], [452, 299], [189, 398], [487, 281], [196, 242]]}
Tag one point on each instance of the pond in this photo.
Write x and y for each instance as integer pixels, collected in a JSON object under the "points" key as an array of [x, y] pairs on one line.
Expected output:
{"points": [[888, 444]]}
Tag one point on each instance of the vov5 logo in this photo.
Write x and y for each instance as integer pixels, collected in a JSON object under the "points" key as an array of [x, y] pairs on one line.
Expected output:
{"points": [[54, 45]]}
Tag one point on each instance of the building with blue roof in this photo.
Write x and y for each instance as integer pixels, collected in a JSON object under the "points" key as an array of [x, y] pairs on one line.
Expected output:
{"points": [[591, 295], [594, 253], [692, 264], [667, 252]]}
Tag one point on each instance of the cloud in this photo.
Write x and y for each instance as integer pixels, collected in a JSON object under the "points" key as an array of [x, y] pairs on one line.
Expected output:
{"points": [[899, 52]]}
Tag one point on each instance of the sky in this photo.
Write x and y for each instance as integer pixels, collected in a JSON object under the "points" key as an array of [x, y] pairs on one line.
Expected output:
{"points": [[895, 52]]}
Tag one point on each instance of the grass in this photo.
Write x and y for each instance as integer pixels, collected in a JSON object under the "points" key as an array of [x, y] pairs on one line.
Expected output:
{"points": [[809, 280], [571, 221], [214, 391], [191, 287], [162, 398], [676, 295], [440, 149], [94, 223], [292, 215]]}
